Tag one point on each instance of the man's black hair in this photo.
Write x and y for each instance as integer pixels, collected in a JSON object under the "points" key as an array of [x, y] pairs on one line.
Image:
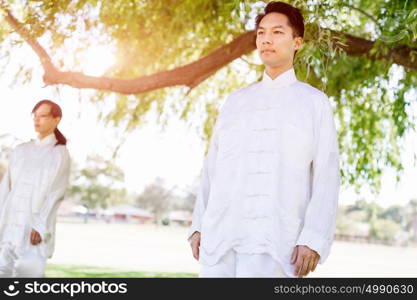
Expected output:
{"points": [[295, 18]]}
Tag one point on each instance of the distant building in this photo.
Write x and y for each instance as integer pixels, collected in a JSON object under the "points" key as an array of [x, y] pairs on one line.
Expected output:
{"points": [[127, 213], [180, 217]]}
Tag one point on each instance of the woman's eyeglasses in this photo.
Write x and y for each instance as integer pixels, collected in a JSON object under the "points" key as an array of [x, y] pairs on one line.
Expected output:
{"points": [[41, 116]]}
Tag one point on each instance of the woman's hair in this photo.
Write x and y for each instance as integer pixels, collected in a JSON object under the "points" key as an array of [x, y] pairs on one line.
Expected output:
{"points": [[55, 112]]}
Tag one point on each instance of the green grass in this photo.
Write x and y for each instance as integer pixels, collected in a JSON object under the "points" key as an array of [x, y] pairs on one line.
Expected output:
{"points": [[59, 271]]}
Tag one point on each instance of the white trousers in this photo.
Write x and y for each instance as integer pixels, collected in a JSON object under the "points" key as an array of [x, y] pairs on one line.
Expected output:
{"points": [[234, 264], [28, 264]]}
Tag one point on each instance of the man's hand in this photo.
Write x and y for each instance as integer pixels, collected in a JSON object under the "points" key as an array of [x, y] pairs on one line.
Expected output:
{"points": [[35, 237], [195, 244], [305, 260]]}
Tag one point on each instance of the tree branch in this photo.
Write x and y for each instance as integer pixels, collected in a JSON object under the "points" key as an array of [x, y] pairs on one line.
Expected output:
{"points": [[194, 73], [33, 43], [357, 46]]}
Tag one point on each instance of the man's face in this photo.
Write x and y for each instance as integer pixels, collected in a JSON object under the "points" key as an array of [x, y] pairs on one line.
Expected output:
{"points": [[44, 122], [275, 41]]}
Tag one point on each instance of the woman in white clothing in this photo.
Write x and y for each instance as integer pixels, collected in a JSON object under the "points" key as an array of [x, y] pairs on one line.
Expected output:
{"points": [[30, 193]]}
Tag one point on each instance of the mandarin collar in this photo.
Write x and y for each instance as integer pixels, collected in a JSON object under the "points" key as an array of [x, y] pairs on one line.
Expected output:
{"points": [[49, 139], [284, 79]]}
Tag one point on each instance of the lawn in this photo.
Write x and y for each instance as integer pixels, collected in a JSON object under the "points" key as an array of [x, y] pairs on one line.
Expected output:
{"points": [[132, 250], [54, 270]]}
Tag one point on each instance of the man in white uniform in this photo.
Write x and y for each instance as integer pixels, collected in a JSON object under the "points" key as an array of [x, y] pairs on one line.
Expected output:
{"points": [[268, 197], [30, 194]]}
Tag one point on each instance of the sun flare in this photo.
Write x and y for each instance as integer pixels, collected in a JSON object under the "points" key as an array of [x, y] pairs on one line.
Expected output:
{"points": [[96, 60]]}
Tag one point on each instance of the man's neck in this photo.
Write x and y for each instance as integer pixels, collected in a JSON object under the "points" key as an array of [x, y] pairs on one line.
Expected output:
{"points": [[274, 72]]}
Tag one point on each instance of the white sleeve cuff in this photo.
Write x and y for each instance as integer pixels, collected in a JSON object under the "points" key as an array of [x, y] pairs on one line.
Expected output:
{"points": [[39, 227], [316, 242]]}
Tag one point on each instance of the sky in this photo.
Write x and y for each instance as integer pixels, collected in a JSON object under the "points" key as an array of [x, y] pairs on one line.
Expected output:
{"points": [[174, 154]]}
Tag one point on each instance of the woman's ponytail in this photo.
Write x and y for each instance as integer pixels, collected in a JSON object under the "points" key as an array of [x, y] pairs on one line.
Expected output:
{"points": [[61, 140]]}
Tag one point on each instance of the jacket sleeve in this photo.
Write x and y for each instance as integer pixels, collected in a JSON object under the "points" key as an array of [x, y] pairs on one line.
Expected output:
{"points": [[320, 218], [57, 183], [204, 188]]}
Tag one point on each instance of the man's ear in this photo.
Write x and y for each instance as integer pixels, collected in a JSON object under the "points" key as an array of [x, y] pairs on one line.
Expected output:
{"points": [[298, 42]]}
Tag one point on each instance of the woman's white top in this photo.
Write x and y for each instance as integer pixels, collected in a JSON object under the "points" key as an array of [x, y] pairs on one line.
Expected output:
{"points": [[30, 193]]}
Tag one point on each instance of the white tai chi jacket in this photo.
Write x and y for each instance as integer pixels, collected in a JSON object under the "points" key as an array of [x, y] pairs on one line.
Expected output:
{"points": [[30, 193], [271, 176]]}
